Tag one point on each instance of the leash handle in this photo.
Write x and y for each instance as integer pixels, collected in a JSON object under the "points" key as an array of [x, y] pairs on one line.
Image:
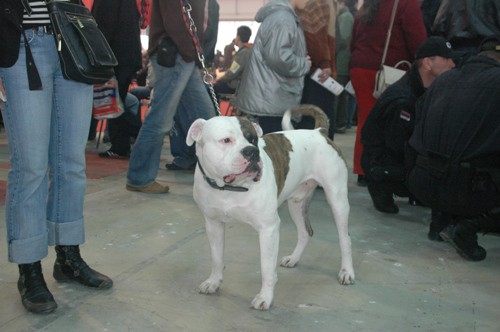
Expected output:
{"points": [[191, 26]]}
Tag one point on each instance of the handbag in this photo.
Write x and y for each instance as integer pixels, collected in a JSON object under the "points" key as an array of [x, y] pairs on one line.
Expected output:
{"points": [[107, 103], [84, 52], [387, 75]]}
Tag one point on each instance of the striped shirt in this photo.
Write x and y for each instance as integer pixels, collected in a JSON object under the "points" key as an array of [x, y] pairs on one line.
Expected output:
{"points": [[39, 15]]}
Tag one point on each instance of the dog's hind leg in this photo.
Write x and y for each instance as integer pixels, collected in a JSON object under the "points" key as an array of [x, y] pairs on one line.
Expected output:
{"points": [[215, 233], [339, 203], [298, 207]]}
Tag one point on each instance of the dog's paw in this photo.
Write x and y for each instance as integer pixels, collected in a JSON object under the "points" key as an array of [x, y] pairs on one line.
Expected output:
{"points": [[346, 277], [209, 286], [288, 261], [261, 302]]}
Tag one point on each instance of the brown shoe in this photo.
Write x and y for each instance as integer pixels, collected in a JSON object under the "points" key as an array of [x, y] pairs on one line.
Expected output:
{"points": [[153, 188]]}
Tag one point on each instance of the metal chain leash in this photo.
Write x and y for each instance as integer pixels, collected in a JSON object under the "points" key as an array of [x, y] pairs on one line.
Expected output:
{"points": [[207, 77]]}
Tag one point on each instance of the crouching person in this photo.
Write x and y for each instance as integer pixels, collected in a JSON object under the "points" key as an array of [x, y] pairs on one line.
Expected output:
{"points": [[457, 160], [390, 124]]}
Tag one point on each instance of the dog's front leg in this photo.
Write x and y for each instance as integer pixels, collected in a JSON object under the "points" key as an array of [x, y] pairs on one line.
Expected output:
{"points": [[215, 233], [269, 242]]}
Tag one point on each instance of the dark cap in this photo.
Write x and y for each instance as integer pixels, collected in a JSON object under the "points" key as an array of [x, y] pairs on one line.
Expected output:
{"points": [[491, 43], [434, 46]]}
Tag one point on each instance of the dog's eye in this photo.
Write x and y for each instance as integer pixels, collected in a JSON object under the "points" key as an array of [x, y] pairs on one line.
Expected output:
{"points": [[226, 140]]}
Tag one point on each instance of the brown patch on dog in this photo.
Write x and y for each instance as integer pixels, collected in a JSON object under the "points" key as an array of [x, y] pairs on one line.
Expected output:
{"points": [[248, 130], [278, 148]]}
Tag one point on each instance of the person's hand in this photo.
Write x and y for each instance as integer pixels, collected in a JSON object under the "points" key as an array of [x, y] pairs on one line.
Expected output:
{"points": [[309, 63], [3, 96], [325, 73]]}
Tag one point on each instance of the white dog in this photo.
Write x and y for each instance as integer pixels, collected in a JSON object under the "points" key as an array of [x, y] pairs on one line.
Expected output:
{"points": [[244, 176]]}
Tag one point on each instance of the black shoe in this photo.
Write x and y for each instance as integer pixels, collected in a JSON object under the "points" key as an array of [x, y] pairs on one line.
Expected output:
{"points": [[113, 155], [35, 295], [70, 266], [362, 181], [462, 236], [175, 167], [382, 200], [439, 221]]}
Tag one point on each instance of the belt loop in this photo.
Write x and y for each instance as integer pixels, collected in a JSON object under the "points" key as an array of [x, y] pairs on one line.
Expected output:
{"points": [[43, 30]]}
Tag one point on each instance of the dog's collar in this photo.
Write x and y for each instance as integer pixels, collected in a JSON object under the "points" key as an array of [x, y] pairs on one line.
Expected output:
{"points": [[214, 185]]}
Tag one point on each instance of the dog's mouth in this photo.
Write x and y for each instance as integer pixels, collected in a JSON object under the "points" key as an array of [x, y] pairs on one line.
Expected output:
{"points": [[253, 171]]}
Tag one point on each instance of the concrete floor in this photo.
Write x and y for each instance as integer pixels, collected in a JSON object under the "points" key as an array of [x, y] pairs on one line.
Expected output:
{"points": [[155, 249]]}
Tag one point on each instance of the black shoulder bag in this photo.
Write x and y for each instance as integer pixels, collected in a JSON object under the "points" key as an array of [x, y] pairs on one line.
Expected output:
{"points": [[84, 52]]}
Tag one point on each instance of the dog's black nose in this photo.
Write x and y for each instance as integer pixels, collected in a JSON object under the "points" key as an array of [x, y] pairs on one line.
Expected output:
{"points": [[251, 153]]}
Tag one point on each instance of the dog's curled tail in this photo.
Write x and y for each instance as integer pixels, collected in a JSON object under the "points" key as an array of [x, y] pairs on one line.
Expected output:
{"points": [[296, 114]]}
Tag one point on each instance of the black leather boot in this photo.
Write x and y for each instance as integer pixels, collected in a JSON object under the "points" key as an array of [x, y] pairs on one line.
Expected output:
{"points": [[35, 295], [70, 266], [463, 236], [382, 200]]}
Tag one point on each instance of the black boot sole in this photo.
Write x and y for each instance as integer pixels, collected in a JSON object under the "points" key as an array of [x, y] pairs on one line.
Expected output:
{"points": [[473, 258], [45, 308]]}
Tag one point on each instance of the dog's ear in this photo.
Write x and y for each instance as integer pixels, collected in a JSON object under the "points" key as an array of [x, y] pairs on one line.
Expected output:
{"points": [[194, 133], [258, 129]]}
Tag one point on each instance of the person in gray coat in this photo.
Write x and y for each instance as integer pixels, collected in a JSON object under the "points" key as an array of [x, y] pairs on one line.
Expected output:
{"points": [[274, 78]]}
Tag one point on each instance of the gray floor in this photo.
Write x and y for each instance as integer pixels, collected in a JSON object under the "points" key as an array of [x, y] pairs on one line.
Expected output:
{"points": [[155, 249]]}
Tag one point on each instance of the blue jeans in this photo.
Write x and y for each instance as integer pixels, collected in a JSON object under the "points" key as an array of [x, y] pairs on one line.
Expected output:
{"points": [[184, 155], [178, 88], [47, 133]]}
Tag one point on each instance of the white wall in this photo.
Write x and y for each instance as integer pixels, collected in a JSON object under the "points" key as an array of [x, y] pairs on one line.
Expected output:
{"points": [[227, 32], [239, 10]]}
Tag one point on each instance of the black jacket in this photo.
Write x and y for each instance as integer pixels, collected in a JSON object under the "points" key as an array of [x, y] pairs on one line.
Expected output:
{"points": [[459, 116], [464, 23], [119, 22], [11, 27], [456, 137], [11, 19], [390, 123]]}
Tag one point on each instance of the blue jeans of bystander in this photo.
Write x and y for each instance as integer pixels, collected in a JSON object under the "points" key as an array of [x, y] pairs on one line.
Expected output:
{"points": [[47, 133], [178, 88]]}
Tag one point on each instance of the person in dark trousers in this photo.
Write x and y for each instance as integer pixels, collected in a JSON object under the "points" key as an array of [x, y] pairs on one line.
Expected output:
{"points": [[390, 123], [119, 22], [457, 152]]}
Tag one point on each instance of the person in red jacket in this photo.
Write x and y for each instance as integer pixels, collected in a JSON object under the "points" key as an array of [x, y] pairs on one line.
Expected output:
{"points": [[367, 45]]}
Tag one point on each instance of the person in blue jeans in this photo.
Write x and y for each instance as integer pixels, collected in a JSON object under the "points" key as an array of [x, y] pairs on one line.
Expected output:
{"points": [[178, 88], [47, 124], [184, 155]]}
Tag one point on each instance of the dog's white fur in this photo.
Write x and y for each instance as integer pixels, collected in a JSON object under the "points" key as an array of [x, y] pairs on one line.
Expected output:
{"points": [[313, 160]]}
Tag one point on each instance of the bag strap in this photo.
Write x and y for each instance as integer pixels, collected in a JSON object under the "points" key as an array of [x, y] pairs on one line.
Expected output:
{"points": [[393, 14], [34, 81]]}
